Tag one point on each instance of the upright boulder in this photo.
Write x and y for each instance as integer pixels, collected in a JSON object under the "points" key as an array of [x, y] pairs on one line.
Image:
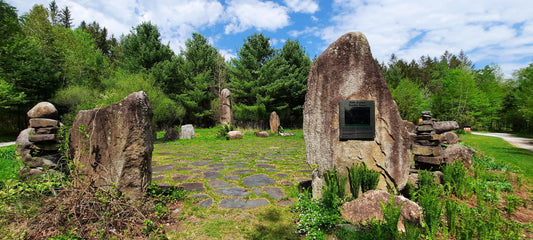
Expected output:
{"points": [[226, 113], [274, 123], [346, 70], [113, 146], [187, 131]]}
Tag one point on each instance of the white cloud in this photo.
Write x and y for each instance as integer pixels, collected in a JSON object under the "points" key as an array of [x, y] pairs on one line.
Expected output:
{"points": [[482, 28], [246, 14], [303, 6], [227, 54]]}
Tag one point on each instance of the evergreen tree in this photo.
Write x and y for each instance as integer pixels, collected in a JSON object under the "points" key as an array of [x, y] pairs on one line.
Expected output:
{"points": [[142, 48], [244, 78], [65, 18], [54, 13]]}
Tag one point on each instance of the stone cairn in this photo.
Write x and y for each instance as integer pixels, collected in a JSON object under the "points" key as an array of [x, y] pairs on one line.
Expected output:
{"points": [[38, 144], [431, 140]]}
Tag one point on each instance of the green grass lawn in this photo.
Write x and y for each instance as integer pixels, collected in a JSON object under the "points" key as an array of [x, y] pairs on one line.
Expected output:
{"points": [[502, 151]]}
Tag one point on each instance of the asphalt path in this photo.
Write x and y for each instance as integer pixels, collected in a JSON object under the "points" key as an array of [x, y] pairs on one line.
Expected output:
{"points": [[5, 144], [525, 143]]}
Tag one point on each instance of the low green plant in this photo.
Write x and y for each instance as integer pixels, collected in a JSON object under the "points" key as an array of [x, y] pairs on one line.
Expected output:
{"points": [[224, 129], [452, 215], [314, 216], [335, 183], [512, 201], [429, 198], [166, 194], [370, 179], [391, 216], [9, 164], [455, 176], [355, 175]]}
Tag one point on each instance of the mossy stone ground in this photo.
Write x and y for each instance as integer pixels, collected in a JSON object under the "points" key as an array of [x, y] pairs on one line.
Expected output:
{"points": [[242, 181]]}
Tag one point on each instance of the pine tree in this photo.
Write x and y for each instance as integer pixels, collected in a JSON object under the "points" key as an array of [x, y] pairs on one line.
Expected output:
{"points": [[65, 19]]}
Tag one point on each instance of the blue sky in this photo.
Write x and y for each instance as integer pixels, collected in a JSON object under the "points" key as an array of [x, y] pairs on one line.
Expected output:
{"points": [[488, 31]]}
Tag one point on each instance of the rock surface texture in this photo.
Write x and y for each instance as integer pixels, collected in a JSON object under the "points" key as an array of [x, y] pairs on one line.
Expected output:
{"points": [[187, 131], [346, 70], [274, 123], [113, 145], [226, 113], [368, 206]]}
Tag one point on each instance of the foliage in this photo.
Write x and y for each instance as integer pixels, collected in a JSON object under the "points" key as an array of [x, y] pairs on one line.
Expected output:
{"points": [[512, 202], [429, 198], [166, 194], [355, 175], [9, 164], [369, 179], [314, 216], [455, 176], [335, 184], [224, 130], [409, 99]]}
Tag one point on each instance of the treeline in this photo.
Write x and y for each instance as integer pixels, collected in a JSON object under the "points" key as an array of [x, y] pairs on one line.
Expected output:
{"points": [[44, 58], [452, 89]]}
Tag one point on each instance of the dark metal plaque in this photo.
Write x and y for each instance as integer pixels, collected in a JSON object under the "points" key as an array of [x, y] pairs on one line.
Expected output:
{"points": [[356, 120]]}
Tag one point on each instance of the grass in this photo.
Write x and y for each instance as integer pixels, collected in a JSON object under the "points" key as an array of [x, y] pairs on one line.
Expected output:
{"points": [[502, 151], [268, 222], [9, 166]]}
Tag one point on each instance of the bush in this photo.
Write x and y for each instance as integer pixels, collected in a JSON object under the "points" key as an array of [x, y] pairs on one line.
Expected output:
{"points": [[314, 216], [429, 198], [355, 174], [335, 183]]}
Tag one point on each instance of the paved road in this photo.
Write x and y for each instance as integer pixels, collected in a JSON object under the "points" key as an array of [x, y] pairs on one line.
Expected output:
{"points": [[525, 143], [5, 144]]}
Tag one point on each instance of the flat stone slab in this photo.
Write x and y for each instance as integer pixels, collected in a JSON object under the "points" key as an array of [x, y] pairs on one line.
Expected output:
{"points": [[240, 163], [211, 174], [164, 153], [242, 204], [217, 183], [281, 175], [231, 177], [201, 163], [285, 203], [241, 172], [217, 165], [196, 171], [262, 165], [163, 168], [274, 192], [258, 180], [305, 170], [199, 196], [158, 178], [183, 169], [287, 183], [206, 203], [180, 177], [193, 186], [257, 191], [234, 192]]}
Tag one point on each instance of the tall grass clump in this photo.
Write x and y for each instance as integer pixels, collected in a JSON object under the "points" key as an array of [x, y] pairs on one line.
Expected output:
{"points": [[429, 198], [335, 183], [355, 175]]}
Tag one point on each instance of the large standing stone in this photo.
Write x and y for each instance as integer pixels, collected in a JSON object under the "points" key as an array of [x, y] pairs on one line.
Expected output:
{"points": [[113, 145], [187, 131], [346, 70], [226, 114], [274, 123], [43, 110]]}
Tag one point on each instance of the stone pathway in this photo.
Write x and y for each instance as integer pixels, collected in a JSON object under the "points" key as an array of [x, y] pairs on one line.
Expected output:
{"points": [[231, 179]]}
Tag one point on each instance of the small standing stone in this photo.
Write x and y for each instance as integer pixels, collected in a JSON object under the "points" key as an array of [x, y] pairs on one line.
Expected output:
{"points": [[274, 123], [234, 134], [187, 132], [226, 114]]}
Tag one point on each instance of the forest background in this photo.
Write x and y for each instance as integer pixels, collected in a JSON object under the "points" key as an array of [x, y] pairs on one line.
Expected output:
{"points": [[44, 58]]}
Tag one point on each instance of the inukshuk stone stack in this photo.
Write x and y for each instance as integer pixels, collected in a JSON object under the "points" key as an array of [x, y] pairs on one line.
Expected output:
{"points": [[346, 70], [37, 144], [113, 146], [430, 136]]}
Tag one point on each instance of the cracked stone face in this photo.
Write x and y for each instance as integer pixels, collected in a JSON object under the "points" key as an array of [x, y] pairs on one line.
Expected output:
{"points": [[346, 70]]}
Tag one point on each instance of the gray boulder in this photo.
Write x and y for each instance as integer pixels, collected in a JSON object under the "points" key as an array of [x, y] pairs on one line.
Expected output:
{"points": [[43, 110], [187, 131], [445, 126], [458, 152], [113, 145]]}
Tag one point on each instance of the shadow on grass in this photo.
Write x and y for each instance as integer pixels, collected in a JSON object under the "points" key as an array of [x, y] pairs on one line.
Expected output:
{"points": [[273, 224]]}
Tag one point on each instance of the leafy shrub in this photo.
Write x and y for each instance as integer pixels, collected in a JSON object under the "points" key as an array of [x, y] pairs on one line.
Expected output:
{"points": [[452, 214], [223, 131], [391, 216], [512, 202], [425, 178]]}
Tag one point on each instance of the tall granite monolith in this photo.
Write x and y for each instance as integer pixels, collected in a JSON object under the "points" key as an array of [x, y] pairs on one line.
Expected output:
{"points": [[226, 113], [346, 70], [113, 146], [274, 123]]}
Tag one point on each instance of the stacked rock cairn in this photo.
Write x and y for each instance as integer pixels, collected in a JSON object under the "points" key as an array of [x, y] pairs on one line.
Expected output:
{"points": [[38, 144], [427, 146]]}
